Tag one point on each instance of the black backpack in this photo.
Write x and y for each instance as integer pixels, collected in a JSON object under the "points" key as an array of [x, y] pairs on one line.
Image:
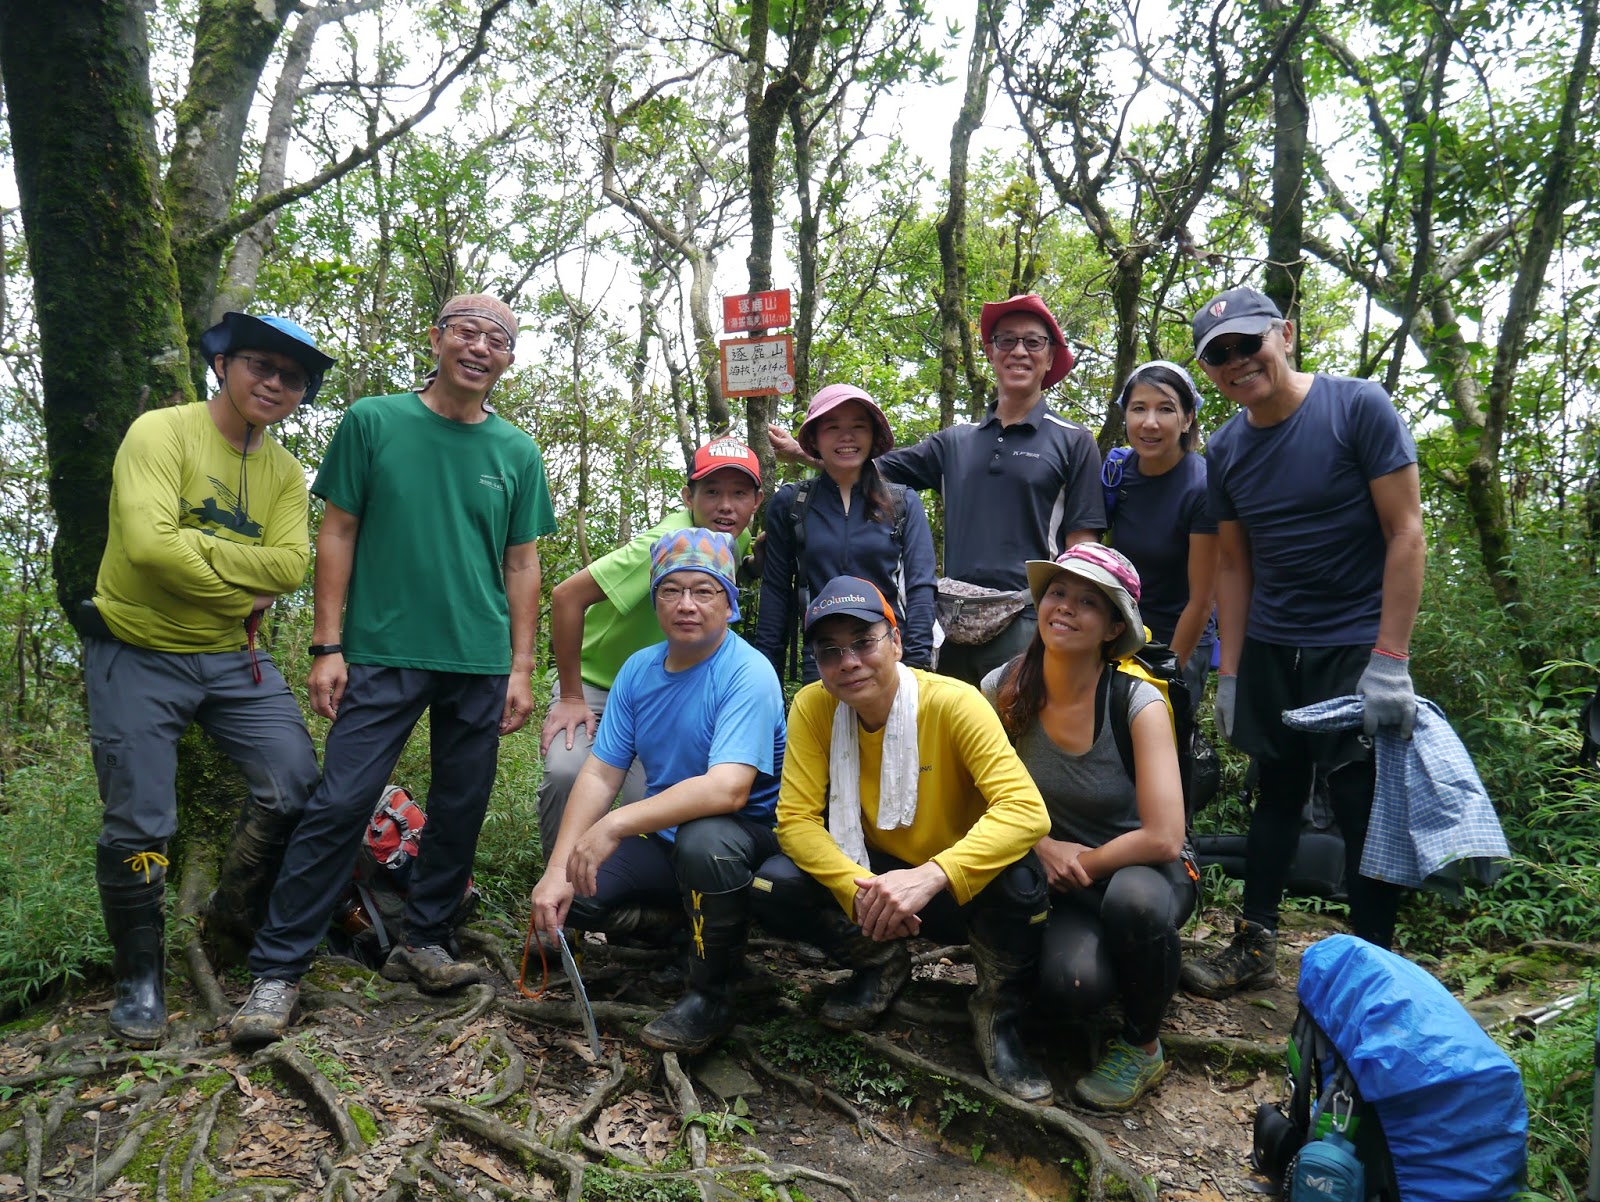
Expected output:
{"points": [[1322, 1096], [1197, 759], [797, 535], [367, 921]]}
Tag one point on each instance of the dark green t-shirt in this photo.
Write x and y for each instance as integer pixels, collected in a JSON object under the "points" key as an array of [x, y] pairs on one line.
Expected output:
{"points": [[439, 502]]}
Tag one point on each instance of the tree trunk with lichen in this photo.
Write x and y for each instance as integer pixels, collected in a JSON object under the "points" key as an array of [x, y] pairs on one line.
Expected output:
{"points": [[110, 322]]}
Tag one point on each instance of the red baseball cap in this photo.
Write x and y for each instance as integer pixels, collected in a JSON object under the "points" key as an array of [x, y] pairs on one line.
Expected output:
{"points": [[1032, 304], [726, 452]]}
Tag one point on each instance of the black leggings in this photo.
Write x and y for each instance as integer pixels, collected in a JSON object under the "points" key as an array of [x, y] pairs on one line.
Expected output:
{"points": [[1118, 939], [1275, 833]]}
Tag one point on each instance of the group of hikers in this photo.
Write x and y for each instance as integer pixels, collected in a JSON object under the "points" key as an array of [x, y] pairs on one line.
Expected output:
{"points": [[964, 762]]}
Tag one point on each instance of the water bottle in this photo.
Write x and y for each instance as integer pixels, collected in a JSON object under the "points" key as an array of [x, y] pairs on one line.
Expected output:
{"points": [[1326, 1170]]}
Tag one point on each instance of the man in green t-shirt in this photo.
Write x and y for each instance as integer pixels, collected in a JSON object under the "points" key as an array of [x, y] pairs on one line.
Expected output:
{"points": [[207, 526], [601, 615], [427, 597]]}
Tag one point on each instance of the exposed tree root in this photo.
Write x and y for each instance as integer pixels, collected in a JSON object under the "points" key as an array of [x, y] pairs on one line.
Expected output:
{"points": [[1050, 1119], [33, 1129], [511, 1078], [480, 940], [567, 1168], [111, 1167], [1224, 1049], [683, 1096], [193, 891], [806, 1087], [958, 953], [198, 1150], [565, 1013], [292, 1060], [479, 999], [929, 1016], [598, 1099]]}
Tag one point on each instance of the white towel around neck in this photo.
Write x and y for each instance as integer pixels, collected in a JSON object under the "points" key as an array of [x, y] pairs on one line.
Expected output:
{"points": [[898, 778]]}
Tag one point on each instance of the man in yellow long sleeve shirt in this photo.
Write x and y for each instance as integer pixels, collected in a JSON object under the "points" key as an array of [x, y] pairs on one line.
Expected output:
{"points": [[904, 810], [207, 527]]}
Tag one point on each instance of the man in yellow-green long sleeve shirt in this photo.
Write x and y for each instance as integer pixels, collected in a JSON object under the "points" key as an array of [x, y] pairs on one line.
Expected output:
{"points": [[207, 527], [903, 810]]}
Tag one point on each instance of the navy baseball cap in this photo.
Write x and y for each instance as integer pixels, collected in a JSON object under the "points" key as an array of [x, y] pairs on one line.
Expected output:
{"points": [[851, 596], [1236, 311]]}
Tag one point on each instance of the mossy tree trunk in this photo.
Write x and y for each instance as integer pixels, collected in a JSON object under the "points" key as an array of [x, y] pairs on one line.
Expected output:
{"points": [[110, 322]]}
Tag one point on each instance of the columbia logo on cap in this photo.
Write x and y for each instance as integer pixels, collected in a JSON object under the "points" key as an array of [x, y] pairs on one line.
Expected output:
{"points": [[843, 599]]}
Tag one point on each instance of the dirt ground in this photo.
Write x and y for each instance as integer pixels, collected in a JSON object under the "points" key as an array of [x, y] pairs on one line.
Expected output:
{"points": [[387, 1093]]}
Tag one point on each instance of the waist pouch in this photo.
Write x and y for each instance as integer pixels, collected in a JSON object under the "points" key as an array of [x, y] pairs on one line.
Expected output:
{"points": [[971, 614], [91, 625]]}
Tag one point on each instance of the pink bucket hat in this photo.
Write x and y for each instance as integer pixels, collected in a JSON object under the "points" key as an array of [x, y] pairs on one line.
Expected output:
{"points": [[1033, 304], [832, 397], [1108, 569]]}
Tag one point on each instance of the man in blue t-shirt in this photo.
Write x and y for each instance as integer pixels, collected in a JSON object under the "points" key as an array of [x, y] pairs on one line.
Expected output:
{"points": [[1319, 518], [703, 713]]}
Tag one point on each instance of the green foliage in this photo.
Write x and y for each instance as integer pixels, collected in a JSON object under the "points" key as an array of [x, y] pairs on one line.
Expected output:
{"points": [[842, 1060], [1558, 1070], [50, 926], [620, 1183], [725, 1126]]}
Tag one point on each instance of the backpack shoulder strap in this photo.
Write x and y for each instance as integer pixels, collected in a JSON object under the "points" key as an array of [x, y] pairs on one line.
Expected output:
{"points": [[897, 503], [797, 520], [1117, 698], [1111, 473]]}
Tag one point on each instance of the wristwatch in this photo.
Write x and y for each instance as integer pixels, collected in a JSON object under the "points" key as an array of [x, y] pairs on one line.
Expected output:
{"points": [[320, 649]]}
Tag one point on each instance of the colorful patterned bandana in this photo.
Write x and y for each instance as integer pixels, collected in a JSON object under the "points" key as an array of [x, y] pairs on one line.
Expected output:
{"points": [[696, 550]]}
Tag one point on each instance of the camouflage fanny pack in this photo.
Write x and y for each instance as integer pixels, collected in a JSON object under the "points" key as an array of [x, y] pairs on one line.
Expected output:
{"points": [[971, 614]]}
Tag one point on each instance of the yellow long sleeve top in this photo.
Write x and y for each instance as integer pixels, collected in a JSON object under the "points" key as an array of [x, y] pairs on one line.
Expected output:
{"points": [[197, 531], [977, 808]]}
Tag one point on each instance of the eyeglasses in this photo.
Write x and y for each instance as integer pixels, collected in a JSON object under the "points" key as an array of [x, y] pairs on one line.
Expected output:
{"points": [[292, 378], [1248, 344], [1032, 343], [830, 656], [701, 594], [469, 336]]}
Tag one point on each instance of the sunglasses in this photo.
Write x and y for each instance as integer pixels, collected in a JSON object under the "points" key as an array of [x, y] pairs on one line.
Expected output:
{"points": [[1221, 356]]}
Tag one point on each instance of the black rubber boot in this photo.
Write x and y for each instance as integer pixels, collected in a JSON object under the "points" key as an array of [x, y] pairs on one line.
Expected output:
{"points": [[1005, 951], [718, 923], [133, 888], [881, 971], [244, 882]]}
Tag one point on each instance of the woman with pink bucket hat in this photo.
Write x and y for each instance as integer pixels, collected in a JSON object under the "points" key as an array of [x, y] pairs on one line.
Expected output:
{"points": [[845, 521], [1020, 482]]}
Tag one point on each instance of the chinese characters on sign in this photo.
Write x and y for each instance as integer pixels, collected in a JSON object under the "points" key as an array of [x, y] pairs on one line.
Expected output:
{"points": [[756, 311], [758, 366]]}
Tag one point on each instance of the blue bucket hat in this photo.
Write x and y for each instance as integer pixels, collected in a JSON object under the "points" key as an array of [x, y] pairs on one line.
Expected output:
{"points": [[242, 332]]}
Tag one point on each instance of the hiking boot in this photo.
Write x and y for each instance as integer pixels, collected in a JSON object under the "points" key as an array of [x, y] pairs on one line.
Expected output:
{"points": [[430, 968], [1249, 962], [267, 1014], [132, 887], [881, 971], [705, 1013], [1005, 953], [1123, 1076]]}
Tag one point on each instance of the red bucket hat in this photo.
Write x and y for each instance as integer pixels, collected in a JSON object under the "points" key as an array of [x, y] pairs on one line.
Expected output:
{"points": [[832, 397], [1033, 304]]}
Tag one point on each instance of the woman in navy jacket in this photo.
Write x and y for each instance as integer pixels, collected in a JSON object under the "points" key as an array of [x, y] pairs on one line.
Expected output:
{"points": [[854, 524]]}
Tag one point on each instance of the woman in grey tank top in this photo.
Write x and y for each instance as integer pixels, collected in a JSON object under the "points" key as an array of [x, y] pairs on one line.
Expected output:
{"points": [[1120, 882]]}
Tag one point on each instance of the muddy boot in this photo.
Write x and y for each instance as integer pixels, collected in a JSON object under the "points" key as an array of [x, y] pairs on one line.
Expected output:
{"points": [[719, 923], [1005, 951], [244, 882], [881, 971], [1249, 962], [133, 888]]}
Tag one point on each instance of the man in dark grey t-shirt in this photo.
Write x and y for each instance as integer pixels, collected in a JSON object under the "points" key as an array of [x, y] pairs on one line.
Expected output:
{"points": [[1023, 483], [1314, 487]]}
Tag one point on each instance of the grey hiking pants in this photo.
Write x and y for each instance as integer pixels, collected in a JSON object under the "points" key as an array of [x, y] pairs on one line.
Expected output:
{"points": [[140, 703], [562, 765]]}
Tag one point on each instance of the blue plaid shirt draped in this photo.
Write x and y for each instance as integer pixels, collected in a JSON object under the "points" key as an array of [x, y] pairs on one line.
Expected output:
{"points": [[1433, 825]]}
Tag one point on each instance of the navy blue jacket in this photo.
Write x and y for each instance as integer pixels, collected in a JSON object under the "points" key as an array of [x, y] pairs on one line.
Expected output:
{"points": [[840, 544]]}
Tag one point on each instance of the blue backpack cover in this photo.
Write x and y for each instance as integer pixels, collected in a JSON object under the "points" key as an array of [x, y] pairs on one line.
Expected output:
{"points": [[1450, 1102]]}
